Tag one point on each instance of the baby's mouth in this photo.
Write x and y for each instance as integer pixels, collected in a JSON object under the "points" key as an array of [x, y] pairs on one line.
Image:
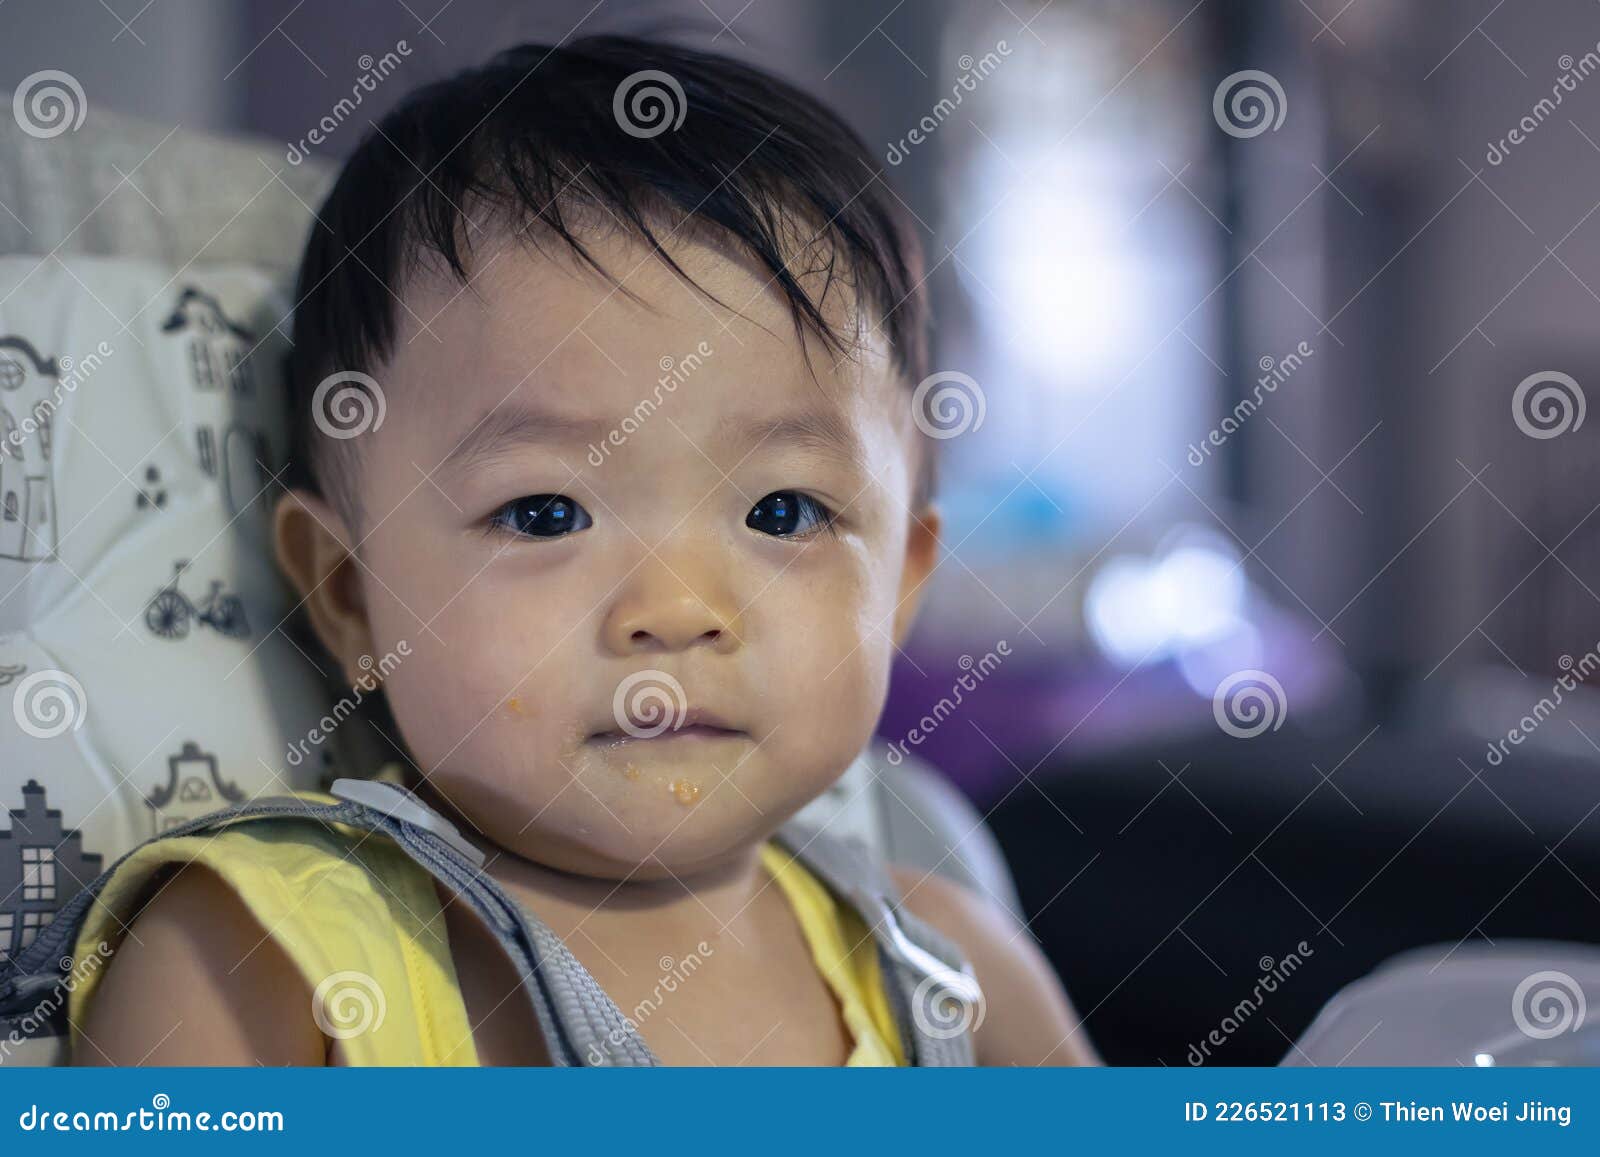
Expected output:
{"points": [[695, 725]]}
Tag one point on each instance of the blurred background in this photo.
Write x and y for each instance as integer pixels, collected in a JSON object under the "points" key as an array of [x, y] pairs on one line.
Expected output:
{"points": [[1268, 492]]}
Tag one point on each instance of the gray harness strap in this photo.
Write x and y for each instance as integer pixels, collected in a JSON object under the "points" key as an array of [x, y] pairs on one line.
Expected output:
{"points": [[936, 997], [581, 1024]]}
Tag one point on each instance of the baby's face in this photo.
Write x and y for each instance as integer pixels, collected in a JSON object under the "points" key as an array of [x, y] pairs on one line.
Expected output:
{"points": [[650, 571]]}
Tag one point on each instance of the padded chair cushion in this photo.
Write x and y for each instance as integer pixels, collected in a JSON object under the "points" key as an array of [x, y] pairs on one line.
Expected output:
{"points": [[122, 186], [142, 681], [1513, 1002]]}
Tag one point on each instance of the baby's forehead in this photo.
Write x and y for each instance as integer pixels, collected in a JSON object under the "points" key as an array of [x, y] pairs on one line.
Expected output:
{"points": [[533, 313], [699, 278]]}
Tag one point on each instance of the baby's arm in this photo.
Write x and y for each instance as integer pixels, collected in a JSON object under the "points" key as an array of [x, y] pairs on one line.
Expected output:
{"points": [[197, 981], [1027, 1019]]}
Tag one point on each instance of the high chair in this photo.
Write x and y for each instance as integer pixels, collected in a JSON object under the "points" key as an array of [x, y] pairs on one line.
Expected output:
{"points": [[147, 650]]}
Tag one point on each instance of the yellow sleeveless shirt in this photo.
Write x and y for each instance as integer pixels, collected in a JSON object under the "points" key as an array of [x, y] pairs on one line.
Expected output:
{"points": [[351, 908]]}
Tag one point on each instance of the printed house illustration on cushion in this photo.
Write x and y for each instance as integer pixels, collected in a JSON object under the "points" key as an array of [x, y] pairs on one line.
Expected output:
{"points": [[194, 788], [28, 383], [42, 866], [219, 349]]}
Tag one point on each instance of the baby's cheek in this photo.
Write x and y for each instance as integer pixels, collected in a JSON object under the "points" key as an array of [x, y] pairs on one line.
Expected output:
{"points": [[456, 693], [499, 760], [836, 671], [428, 704]]}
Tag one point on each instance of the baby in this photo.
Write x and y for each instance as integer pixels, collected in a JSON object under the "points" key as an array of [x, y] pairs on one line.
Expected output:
{"points": [[638, 494]]}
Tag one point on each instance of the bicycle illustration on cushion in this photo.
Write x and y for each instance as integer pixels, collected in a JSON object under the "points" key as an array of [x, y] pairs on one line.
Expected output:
{"points": [[171, 612]]}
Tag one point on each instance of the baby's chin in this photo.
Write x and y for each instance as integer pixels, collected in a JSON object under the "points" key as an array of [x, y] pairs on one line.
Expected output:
{"points": [[637, 812]]}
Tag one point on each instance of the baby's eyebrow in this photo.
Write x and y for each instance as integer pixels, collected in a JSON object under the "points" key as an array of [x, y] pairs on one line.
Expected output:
{"points": [[819, 430], [506, 426], [509, 426]]}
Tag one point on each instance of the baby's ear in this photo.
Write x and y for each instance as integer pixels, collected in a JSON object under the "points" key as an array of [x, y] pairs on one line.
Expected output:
{"points": [[313, 544], [922, 553]]}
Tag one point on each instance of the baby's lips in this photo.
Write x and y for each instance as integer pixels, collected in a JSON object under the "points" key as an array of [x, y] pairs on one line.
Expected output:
{"points": [[694, 719]]}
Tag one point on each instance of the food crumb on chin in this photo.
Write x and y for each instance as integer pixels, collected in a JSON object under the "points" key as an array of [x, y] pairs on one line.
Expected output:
{"points": [[684, 791], [630, 772]]}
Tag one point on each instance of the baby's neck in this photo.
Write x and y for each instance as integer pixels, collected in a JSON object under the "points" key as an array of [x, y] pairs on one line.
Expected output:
{"points": [[566, 900]]}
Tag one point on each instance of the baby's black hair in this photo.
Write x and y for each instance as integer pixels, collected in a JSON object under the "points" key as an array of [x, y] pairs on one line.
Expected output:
{"points": [[552, 137]]}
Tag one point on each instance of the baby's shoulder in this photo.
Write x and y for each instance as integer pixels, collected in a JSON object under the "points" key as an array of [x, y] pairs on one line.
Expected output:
{"points": [[1026, 1017], [196, 980], [216, 941]]}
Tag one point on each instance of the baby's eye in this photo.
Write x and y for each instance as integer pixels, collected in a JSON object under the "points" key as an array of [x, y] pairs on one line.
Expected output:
{"points": [[788, 514], [542, 516]]}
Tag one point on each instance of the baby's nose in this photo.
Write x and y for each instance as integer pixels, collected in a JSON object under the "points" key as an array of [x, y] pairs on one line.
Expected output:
{"points": [[669, 621]]}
